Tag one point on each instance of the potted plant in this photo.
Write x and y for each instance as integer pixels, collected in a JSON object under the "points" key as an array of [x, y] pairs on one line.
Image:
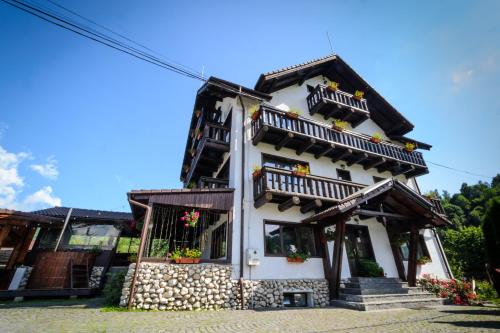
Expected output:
{"points": [[186, 256], [255, 113], [333, 86], [330, 235], [339, 125], [296, 256], [300, 170], [423, 260], [293, 113], [376, 138], [190, 218], [358, 95], [409, 147], [257, 171]]}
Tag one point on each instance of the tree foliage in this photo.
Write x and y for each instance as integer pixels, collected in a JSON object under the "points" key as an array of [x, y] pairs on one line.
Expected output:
{"points": [[491, 229]]}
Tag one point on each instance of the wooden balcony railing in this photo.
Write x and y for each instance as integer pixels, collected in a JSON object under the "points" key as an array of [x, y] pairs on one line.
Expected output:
{"points": [[438, 208], [306, 135], [309, 192], [210, 182], [214, 142], [337, 104]]}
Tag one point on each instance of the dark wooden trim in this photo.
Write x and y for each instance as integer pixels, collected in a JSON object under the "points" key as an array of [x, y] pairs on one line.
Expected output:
{"points": [[4, 233], [260, 135], [338, 250], [229, 246], [375, 163], [24, 233], [374, 213], [396, 251], [287, 224], [305, 146], [263, 200], [289, 136], [314, 204], [293, 201], [412, 260], [347, 152], [358, 159], [325, 151]]}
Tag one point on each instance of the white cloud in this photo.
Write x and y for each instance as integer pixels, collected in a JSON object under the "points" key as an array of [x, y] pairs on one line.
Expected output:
{"points": [[47, 170], [12, 184], [461, 77]]}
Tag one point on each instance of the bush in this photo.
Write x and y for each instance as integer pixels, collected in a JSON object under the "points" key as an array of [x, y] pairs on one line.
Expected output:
{"points": [[485, 291], [370, 268], [459, 292], [113, 288], [491, 228]]}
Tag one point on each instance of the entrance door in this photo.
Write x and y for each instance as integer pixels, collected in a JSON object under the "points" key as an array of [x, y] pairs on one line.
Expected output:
{"points": [[358, 247]]}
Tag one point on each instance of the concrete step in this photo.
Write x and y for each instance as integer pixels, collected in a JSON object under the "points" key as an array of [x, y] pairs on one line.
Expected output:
{"points": [[375, 291], [393, 304], [373, 280], [386, 297], [386, 285]]}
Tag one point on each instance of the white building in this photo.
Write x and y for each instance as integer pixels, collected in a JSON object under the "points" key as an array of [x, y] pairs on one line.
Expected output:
{"points": [[357, 204]]}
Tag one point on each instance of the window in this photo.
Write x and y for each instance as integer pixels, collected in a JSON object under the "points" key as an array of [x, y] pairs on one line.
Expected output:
{"points": [[421, 248], [218, 245], [377, 179], [343, 175], [280, 236], [280, 162], [295, 300], [128, 245]]}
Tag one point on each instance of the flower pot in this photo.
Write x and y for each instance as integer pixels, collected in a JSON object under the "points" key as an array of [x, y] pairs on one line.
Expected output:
{"points": [[256, 174], [408, 150], [187, 260], [332, 88], [375, 140], [337, 128], [297, 260], [255, 115], [291, 115], [299, 174]]}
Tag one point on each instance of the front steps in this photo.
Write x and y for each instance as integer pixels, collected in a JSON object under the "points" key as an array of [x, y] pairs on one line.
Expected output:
{"points": [[366, 294]]}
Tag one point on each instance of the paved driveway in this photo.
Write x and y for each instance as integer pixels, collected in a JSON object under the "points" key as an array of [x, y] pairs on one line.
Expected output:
{"points": [[88, 317]]}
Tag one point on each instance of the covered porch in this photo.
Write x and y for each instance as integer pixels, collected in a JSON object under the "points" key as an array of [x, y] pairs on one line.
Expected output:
{"points": [[395, 207]]}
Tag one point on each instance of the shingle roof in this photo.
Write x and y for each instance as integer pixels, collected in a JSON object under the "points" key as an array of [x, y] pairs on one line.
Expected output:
{"points": [[61, 212], [304, 64]]}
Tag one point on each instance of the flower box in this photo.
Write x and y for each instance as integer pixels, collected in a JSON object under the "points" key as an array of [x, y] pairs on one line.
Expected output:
{"points": [[337, 128], [299, 173], [375, 140], [187, 260], [255, 115], [256, 174], [333, 86], [296, 260], [291, 115]]}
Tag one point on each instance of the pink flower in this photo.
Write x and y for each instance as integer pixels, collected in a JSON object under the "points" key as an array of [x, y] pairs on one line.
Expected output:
{"points": [[183, 218], [186, 225]]}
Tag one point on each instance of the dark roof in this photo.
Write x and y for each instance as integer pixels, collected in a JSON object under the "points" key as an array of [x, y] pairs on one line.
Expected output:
{"points": [[356, 199], [23, 218], [233, 89], [62, 212], [333, 67]]}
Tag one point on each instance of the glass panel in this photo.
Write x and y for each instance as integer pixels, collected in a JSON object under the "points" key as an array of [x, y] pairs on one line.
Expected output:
{"points": [[289, 239], [305, 238], [300, 300], [405, 251], [273, 242]]}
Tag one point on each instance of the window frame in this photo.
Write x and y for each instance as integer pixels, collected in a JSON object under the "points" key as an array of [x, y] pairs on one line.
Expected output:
{"points": [[220, 234], [342, 170], [421, 244], [380, 179], [316, 240], [285, 159]]}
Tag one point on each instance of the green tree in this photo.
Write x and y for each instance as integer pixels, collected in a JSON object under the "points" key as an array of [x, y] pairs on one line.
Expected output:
{"points": [[491, 229], [465, 252]]}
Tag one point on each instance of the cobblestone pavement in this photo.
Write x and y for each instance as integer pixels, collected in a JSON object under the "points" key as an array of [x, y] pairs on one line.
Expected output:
{"points": [[41, 317]]}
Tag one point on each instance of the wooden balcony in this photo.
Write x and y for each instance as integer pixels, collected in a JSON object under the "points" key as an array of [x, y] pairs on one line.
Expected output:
{"points": [[207, 153], [438, 208], [337, 104], [309, 192], [210, 182], [306, 135]]}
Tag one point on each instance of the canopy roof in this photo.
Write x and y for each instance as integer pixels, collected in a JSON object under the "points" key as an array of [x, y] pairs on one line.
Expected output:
{"points": [[392, 199], [79, 213], [336, 69], [15, 217]]}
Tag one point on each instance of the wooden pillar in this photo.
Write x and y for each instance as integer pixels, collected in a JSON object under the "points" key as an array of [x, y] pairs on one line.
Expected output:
{"points": [[327, 263], [4, 233], [338, 250], [26, 245], [396, 253], [23, 233], [412, 260]]}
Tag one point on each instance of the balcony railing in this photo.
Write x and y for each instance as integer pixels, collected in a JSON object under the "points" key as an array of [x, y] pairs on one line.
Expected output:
{"points": [[210, 182], [337, 104], [309, 192], [438, 208], [306, 135], [209, 149]]}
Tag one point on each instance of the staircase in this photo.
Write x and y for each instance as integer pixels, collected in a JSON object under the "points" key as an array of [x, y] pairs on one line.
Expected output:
{"points": [[364, 294]]}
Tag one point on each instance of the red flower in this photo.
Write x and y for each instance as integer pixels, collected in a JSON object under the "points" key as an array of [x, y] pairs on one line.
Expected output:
{"points": [[186, 225]]}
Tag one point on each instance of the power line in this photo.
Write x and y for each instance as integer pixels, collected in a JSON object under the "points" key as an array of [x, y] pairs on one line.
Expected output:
{"points": [[459, 170]]}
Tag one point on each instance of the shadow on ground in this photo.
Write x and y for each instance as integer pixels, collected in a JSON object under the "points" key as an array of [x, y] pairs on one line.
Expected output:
{"points": [[83, 303]]}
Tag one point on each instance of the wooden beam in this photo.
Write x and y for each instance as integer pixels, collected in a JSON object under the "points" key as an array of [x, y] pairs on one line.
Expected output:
{"points": [[263, 200], [293, 201], [374, 213], [325, 151], [337, 258], [26, 246], [316, 203], [289, 136], [355, 123], [358, 159], [403, 170], [334, 110], [390, 167], [349, 114], [4, 233], [412, 258], [308, 144], [346, 153], [375, 163], [260, 135], [396, 253], [17, 249]]}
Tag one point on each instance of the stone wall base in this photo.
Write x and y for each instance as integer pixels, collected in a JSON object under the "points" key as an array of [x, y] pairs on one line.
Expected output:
{"points": [[209, 286]]}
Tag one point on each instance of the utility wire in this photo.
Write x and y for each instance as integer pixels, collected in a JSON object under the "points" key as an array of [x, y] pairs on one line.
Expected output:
{"points": [[459, 170]]}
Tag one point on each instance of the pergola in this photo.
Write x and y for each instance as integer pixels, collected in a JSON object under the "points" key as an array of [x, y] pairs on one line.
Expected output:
{"points": [[393, 204]]}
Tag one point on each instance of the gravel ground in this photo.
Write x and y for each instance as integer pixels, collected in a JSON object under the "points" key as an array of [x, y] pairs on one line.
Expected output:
{"points": [[75, 316]]}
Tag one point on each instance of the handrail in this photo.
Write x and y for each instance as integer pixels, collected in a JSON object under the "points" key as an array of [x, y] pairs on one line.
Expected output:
{"points": [[338, 96], [272, 117], [210, 182]]}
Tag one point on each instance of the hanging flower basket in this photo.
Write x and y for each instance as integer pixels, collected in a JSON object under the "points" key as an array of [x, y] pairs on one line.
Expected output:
{"points": [[187, 260], [296, 260], [190, 219]]}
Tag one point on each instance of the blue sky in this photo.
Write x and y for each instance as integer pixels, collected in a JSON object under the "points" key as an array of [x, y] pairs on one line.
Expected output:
{"points": [[81, 124]]}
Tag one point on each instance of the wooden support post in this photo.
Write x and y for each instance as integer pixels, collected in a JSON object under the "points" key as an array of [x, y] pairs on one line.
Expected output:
{"points": [[354, 124], [316, 203], [289, 136], [337, 259], [308, 144], [325, 151], [412, 260], [335, 109], [293, 201], [17, 249], [375, 163], [66, 221], [358, 159], [260, 135], [346, 153], [4, 233], [26, 245], [396, 253], [263, 200]]}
